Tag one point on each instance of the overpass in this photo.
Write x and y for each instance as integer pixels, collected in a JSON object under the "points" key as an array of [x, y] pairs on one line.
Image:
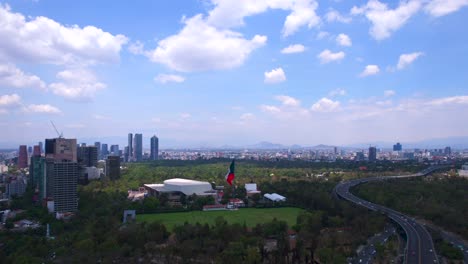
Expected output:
{"points": [[419, 245]]}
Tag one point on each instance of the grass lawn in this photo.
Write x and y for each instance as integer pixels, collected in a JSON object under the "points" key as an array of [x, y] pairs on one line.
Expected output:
{"points": [[251, 216]]}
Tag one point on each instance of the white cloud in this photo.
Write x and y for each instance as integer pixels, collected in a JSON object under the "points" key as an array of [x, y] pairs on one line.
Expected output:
{"points": [[335, 16], [185, 115], [325, 105], [42, 108], [370, 70], [407, 59], [343, 40], [76, 84], [275, 76], [10, 76], [270, 109], [201, 47], [296, 48], [137, 48], [327, 56], [228, 14], [247, 117], [449, 101], [288, 100], [100, 117], [385, 21], [75, 126], [337, 92], [439, 8], [322, 34], [9, 100], [389, 93], [165, 78], [43, 40]]}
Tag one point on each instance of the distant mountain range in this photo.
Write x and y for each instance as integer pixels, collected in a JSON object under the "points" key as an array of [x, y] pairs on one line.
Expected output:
{"points": [[437, 143]]}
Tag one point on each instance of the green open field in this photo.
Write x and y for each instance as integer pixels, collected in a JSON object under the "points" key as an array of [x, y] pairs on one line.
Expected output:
{"points": [[251, 216]]}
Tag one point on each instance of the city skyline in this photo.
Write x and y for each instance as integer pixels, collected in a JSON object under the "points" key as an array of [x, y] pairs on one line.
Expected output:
{"points": [[344, 73]]}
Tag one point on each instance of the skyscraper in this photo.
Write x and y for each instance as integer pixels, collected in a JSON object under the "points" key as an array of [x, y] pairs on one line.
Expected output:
{"points": [[397, 147], [37, 151], [372, 153], [41, 147], [22, 157], [61, 177], [37, 175], [104, 151], [88, 156], [138, 147], [154, 148], [113, 167], [130, 147], [114, 150], [97, 144]]}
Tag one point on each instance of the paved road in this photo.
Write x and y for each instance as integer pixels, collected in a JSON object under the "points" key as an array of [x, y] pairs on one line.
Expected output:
{"points": [[368, 252], [419, 245]]}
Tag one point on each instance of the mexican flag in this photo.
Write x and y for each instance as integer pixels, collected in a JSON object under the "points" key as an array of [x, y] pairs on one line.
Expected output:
{"points": [[230, 174]]}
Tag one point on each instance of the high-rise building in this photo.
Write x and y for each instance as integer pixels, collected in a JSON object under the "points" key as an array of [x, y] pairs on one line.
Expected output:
{"points": [[41, 147], [104, 151], [114, 150], [61, 185], [36, 151], [113, 167], [138, 147], [61, 177], [372, 153], [130, 147], [61, 149], [22, 157], [397, 147], [37, 175], [154, 148], [30, 150], [448, 150], [87, 156], [97, 144]]}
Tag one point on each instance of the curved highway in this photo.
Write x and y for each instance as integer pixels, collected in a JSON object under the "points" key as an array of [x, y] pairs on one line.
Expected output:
{"points": [[419, 246]]}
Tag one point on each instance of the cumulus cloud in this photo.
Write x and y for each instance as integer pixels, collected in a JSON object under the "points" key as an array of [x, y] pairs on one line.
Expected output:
{"points": [[385, 21], [337, 92], [439, 8], [343, 40], [270, 109], [288, 100], [275, 76], [11, 76], [137, 48], [201, 47], [42, 108], [389, 93], [407, 59], [76, 84], [370, 70], [9, 100], [228, 14], [43, 40], [166, 78], [296, 48], [327, 56], [335, 16], [325, 105]]}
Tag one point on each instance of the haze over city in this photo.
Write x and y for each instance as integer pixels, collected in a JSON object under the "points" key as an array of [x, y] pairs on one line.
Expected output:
{"points": [[216, 73]]}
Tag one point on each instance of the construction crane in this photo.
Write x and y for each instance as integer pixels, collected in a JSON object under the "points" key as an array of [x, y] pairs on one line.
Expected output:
{"points": [[60, 134]]}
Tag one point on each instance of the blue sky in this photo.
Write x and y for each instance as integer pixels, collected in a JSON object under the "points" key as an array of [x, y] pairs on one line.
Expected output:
{"points": [[234, 72]]}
